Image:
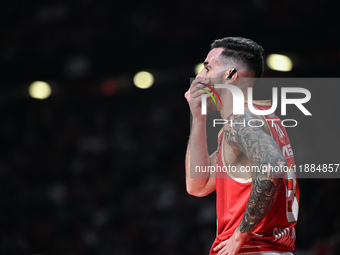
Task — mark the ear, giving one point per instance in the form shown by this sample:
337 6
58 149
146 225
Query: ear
231 75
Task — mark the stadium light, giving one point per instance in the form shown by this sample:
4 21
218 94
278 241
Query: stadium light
40 90
198 68
279 62
143 80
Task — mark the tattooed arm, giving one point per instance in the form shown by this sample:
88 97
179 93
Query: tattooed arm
262 150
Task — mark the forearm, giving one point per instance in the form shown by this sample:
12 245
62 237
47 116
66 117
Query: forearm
264 193
262 151
197 155
266 183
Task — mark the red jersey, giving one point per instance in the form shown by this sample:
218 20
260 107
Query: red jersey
232 194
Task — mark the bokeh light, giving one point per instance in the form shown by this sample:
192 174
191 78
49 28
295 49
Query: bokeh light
279 62
40 90
198 68
143 80
109 87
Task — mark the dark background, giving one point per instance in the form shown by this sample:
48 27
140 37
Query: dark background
101 171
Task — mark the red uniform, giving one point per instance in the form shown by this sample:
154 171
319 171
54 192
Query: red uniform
232 195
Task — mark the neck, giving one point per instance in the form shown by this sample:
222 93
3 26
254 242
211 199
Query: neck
227 107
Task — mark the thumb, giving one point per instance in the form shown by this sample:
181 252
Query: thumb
187 95
255 235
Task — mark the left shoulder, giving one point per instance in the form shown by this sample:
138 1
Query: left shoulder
241 125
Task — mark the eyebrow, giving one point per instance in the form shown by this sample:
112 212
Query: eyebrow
206 64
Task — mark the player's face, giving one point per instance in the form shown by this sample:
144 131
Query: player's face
212 66
213 70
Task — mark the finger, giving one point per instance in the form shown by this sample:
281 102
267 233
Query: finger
223 251
199 86
255 235
200 91
201 81
206 88
204 83
220 245
198 94
187 95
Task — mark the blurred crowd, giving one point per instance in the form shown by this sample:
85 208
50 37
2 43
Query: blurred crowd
105 175
87 174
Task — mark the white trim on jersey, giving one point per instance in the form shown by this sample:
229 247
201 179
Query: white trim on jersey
238 179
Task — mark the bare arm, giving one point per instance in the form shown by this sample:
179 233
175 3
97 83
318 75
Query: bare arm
198 184
262 150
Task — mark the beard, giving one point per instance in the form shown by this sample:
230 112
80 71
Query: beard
211 106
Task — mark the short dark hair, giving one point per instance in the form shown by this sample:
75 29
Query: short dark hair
243 50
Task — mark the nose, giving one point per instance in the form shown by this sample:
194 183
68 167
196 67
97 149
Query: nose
200 75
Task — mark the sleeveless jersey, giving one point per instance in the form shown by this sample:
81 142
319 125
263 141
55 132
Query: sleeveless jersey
232 194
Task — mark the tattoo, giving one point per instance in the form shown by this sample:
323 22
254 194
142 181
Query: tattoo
262 197
262 151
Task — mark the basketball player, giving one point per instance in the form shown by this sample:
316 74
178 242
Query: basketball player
256 210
